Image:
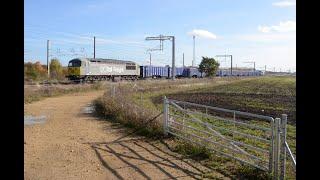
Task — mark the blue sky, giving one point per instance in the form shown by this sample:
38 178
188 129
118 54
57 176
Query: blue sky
262 31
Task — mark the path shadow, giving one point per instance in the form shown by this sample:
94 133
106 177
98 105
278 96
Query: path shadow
137 154
131 156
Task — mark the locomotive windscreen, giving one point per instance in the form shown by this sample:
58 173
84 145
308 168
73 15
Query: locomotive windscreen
130 66
74 63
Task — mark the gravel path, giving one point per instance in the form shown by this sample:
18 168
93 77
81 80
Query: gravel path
72 144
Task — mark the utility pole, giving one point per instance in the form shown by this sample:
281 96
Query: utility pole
173 59
183 59
162 38
48 63
265 68
94 47
194 50
150 58
231 64
226 55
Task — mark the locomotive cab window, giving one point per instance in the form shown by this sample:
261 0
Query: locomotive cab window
74 64
130 66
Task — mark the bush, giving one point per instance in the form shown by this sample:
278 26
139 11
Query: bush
37 72
34 71
56 70
122 109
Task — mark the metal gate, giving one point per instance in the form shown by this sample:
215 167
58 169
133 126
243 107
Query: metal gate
255 140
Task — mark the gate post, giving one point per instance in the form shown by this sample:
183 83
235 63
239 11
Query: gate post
276 148
165 115
283 154
271 151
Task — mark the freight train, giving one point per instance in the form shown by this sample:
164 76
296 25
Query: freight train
89 69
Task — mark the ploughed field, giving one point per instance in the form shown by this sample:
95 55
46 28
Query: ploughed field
270 96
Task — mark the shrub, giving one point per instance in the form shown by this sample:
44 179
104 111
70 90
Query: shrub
121 108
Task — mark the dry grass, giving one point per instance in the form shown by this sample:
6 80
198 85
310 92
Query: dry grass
121 108
38 92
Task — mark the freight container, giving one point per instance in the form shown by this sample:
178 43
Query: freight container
194 72
180 71
153 71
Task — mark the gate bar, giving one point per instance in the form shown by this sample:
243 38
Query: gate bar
224 119
227 147
283 154
291 155
227 139
222 153
226 110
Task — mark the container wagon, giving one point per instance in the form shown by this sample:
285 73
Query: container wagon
194 73
180 72
154 71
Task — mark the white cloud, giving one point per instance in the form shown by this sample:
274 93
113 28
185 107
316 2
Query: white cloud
202 33
284 3
287 26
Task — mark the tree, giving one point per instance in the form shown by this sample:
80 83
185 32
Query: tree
40 69
55 69
30 71
34 71
209 66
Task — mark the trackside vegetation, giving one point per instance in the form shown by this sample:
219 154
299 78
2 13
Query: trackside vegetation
38 92
35 72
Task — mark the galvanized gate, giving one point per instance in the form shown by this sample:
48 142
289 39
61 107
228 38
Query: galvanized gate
255 140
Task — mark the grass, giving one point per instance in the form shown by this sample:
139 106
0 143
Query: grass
120 108
134 103
37 93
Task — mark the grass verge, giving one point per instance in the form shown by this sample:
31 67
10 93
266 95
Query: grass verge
36 93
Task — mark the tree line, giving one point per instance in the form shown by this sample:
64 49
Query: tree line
37 71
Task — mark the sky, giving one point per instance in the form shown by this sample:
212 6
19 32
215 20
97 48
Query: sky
261 31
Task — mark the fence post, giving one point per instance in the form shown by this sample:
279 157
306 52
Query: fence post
271 152
283 154
183 124
165 115
276 148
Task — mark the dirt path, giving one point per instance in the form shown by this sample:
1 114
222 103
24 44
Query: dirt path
74 145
